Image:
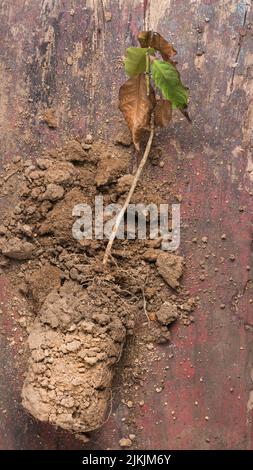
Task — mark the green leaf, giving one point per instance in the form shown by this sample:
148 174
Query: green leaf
135 61
167 79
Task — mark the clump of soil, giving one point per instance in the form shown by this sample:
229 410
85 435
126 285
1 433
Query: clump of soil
75 340
82 311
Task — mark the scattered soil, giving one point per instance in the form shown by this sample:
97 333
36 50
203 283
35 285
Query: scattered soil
80 315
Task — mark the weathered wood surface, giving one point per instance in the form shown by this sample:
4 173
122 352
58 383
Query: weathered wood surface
213 170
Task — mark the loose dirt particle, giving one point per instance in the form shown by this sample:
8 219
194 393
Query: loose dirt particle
49 118
125 442
108 16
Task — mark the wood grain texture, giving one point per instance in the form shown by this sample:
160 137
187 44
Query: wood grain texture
212 167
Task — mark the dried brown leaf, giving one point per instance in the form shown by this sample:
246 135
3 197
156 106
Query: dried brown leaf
136 106
155 40
144 38
163 113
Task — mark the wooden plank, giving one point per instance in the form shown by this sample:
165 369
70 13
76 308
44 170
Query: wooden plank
211 164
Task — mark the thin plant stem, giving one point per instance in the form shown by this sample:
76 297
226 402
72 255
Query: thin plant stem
131 191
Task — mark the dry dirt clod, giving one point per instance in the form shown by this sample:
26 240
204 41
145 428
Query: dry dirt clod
16 248
41 281
88 139
73 151
49 118
167 314
108 16
60 173
60 220
124 183
80 362
69 60
124 138
188 306
125 442
130 404
53 192
3 230
170 267
151 255
111 167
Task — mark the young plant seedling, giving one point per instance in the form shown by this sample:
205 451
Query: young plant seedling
148 66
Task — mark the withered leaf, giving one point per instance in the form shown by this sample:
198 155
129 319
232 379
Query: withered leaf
163 113
136 106
144 38
155 40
